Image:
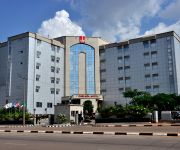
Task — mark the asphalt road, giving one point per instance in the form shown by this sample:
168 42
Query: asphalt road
9 141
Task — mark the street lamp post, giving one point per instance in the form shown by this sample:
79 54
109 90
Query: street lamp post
24 117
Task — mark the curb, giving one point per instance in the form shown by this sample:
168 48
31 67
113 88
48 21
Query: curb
95 132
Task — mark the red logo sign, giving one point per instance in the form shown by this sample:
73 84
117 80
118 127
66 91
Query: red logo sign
82 39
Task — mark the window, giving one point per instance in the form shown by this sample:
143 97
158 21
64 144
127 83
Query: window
103 92
52 79
58 49
155 77
156 88
52 69
126 59
52 47
52 90
57 70
120 70
37 77
120 60
38 42
146 44
121 81
154 54
146 55
37 88
57 91
147 66
148 89
49 105
52 58
127 69
38 53
147 77
120 49
121 90
57 80
153 42
38 65
127 81
126 47
57 59
38 104
155 66
72 113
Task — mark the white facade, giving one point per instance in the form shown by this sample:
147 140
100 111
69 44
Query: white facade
35 72
148 63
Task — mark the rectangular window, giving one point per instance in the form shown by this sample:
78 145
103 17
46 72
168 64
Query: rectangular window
49 105
52 58
127 81
147 77
57 91
121 90
146 55
155 66
57 80
155 77
57 59
52 90
37 77
58 49
38 65
126 47
153 42
121 81
37 88
57 70
103 91
38 42
52 47
148 89
127 69
120 70
39 104
156 88
147 66
154 55
38 53
52 79
120 59
120 49
52 69
146 44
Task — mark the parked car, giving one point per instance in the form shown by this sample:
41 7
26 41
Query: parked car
175 114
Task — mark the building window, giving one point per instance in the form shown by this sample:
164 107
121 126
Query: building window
38 53
153 42
155 77
146 55
120 70
52 58
57 70
147 66
127 69
57 59
52 79
39 104
52 90
37 77
120 49
126 47
37 88
120 59
49 105
147 77
103 91
57 91
38 65
154 55
52 69
121 81
148 89
146 44
127 81
57 80
53 48
58 49
156 88
72 113
38 42
121 90
154 66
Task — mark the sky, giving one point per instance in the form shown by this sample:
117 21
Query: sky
113 20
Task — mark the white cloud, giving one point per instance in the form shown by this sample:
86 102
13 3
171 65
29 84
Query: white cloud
171 11
60 25
114 19
161 27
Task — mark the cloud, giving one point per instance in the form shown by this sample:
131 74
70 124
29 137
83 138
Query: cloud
60 25
116 20
161 27
171 11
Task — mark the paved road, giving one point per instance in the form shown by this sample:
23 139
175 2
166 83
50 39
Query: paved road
85 142
171 129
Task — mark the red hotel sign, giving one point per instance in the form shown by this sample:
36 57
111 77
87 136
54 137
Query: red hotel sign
82 39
